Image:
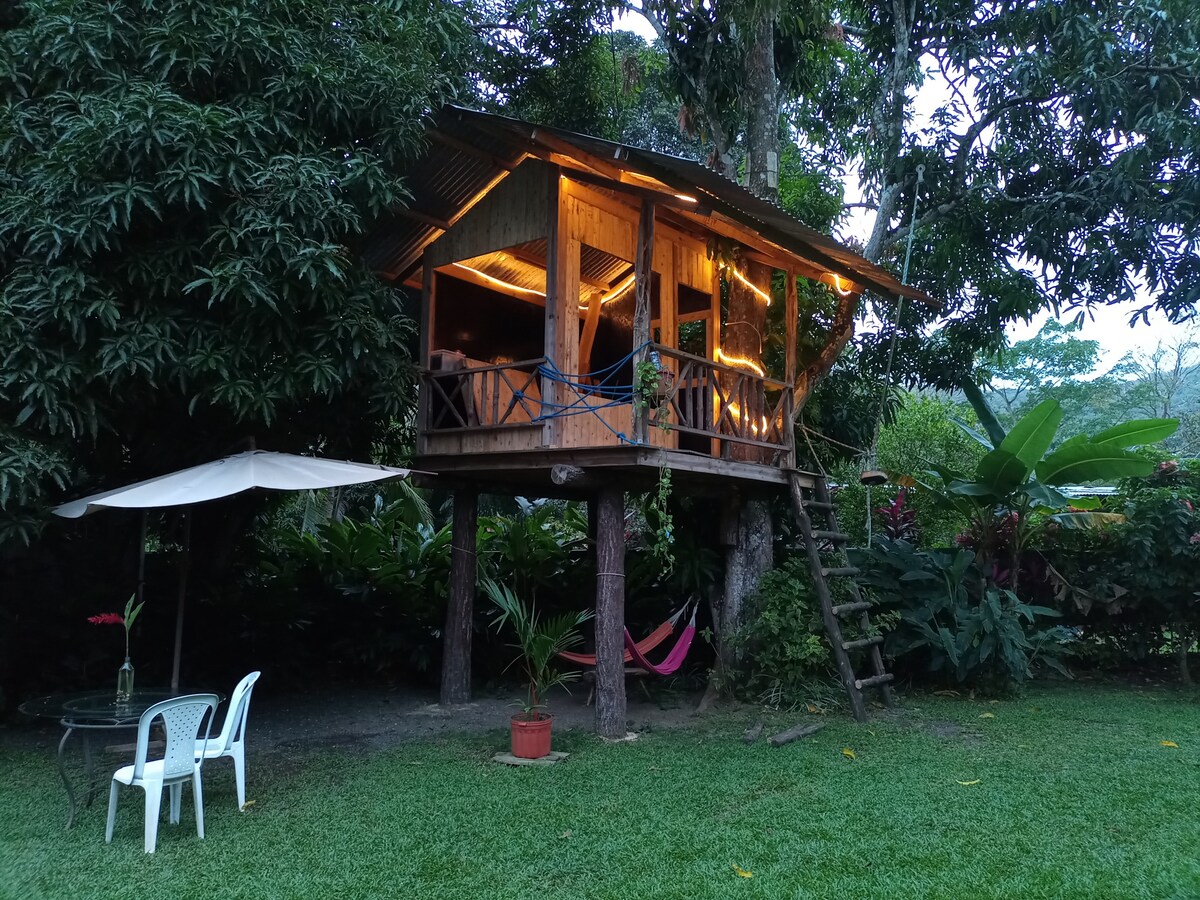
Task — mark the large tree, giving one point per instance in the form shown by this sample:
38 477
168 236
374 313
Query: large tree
1061 171
183 186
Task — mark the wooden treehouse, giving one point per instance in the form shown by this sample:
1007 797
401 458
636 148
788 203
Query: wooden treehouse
573 340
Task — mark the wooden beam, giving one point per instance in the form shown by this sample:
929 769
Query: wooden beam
424 347
794 733
643 284
588 338
668 297
791 318
664 197
610 613
456 653
454 143
424 218
556 144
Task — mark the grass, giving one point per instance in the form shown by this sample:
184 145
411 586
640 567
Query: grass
1075 797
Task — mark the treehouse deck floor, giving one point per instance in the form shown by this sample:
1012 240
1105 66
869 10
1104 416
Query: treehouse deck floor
630 468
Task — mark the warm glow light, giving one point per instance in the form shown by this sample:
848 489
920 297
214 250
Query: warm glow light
837 285
741 362
619 290
499 281
750 284
616 293
755 428
686 198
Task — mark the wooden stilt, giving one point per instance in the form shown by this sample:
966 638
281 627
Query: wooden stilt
456 653
610 613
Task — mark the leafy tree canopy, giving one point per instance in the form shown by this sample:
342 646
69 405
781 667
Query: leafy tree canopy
182 186
1061 172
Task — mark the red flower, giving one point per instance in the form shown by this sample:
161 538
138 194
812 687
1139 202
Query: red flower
107 619
1195 538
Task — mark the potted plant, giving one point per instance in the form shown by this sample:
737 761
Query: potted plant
539 642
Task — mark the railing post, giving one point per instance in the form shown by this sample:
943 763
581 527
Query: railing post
643 268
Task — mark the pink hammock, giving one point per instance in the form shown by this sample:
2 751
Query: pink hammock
674 659
646 644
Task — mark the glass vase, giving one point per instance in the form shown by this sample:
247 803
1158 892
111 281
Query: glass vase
125 682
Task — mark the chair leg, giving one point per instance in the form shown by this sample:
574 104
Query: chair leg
112 811
198 800
239 772
153 807
176 801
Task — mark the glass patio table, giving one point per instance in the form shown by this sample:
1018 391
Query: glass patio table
90 713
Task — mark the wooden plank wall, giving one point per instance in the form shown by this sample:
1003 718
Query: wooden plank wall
513 213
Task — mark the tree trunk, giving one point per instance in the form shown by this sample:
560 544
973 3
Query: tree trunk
745 326
610 613
456 652
746 562
762 121
1185 644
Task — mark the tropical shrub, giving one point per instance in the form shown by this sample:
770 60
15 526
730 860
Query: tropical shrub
922 432
1133 587
782 650
1018 480
953 620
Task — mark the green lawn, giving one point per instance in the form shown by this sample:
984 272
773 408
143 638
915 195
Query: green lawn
1071 794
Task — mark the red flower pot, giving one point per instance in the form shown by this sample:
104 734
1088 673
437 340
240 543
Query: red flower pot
531 735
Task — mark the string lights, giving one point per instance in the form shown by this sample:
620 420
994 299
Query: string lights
741 362
500 281
750 284
836 283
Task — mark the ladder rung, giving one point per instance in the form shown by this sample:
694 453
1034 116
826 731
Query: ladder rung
837 536
817 504
862 642
873 681
857 606
840 571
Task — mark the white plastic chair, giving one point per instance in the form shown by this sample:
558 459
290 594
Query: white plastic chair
182 718
231 741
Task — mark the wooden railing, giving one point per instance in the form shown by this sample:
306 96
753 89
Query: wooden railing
747 417
471 395
729 404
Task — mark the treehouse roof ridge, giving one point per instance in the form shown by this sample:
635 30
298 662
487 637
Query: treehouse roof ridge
471 152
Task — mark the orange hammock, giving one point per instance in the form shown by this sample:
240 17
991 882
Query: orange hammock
645 645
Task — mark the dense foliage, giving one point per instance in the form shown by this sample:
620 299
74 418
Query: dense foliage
1132 587
784 656
953 619
923 432
182 189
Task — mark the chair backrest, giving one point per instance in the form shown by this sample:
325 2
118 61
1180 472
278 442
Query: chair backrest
182 718
239 708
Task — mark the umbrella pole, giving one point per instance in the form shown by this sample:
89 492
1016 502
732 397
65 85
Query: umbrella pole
183 580
141 588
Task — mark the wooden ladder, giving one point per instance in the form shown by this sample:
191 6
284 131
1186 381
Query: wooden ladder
832 563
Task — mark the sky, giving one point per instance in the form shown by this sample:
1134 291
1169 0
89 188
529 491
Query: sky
1107 325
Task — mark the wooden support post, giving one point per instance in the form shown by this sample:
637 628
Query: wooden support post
792 315
562 302
425 343
456 652
610 613
556 249
643 267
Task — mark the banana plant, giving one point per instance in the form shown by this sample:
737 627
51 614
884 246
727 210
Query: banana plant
1021 475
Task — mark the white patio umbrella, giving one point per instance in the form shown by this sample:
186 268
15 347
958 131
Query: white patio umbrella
223 478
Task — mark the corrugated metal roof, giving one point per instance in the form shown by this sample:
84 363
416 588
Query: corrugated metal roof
476 148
